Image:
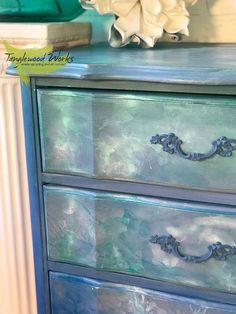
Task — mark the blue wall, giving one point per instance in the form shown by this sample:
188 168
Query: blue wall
100 24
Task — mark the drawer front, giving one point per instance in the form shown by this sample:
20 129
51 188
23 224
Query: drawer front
77 295
107 135
113 231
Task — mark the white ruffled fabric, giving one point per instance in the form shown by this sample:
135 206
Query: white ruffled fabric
143 21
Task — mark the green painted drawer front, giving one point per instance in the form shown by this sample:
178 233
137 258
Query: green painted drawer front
112 232
107 135
78 295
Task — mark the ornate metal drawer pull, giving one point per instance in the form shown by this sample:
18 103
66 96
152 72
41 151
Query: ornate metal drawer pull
217 250
172 145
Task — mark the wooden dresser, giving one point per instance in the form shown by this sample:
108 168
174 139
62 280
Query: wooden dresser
134 199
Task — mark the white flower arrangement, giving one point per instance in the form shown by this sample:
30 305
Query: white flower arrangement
143 21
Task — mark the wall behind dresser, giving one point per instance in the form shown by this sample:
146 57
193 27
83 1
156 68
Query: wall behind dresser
211 21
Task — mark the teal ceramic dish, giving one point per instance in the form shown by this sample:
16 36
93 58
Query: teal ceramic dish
39 10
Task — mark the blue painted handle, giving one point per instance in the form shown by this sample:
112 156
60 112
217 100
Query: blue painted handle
171 144
216 251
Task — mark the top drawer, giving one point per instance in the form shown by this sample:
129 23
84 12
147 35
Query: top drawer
107 135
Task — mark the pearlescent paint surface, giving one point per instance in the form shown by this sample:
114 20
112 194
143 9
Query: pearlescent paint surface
107 135
77 295
112 231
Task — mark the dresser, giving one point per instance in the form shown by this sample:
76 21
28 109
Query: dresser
131 160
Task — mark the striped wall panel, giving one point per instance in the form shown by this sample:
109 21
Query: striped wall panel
17 287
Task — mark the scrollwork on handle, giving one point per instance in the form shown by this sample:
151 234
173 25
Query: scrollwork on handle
171 144
216 251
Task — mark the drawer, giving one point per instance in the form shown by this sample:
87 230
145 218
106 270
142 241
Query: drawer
77 295
107 135
116 232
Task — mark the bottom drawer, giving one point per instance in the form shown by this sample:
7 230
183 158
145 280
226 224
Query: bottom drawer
77 295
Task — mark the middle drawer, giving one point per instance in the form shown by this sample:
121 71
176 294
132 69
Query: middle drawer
113 231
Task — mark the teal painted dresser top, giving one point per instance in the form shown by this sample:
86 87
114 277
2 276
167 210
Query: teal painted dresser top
192 64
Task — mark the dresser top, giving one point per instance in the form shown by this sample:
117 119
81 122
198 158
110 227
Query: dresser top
195 64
